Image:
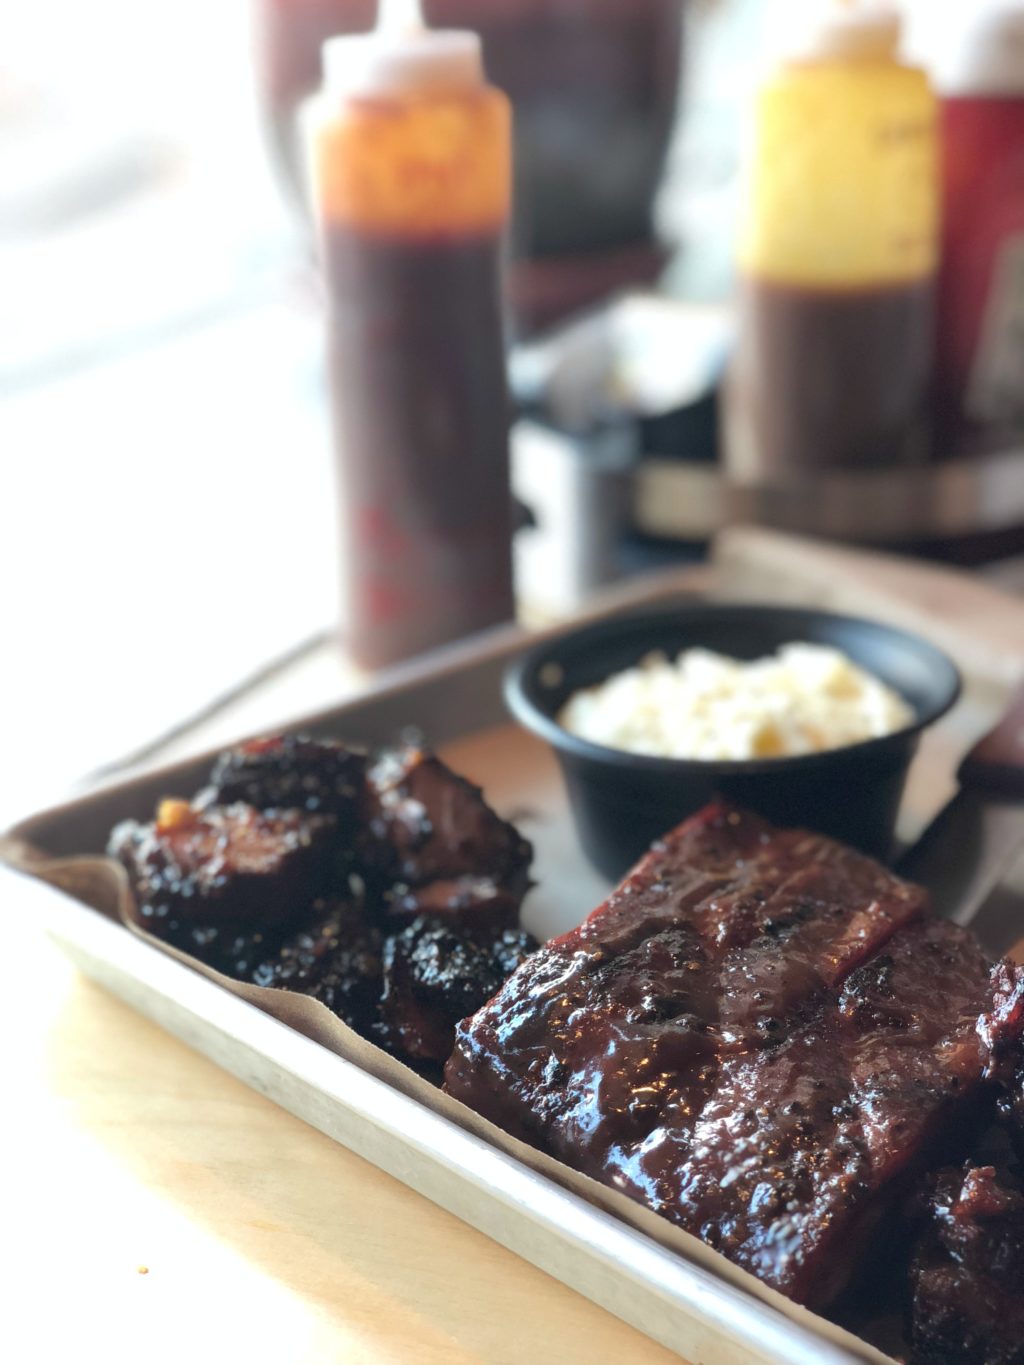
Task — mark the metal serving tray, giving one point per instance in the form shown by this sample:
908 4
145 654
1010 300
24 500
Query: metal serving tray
697 1303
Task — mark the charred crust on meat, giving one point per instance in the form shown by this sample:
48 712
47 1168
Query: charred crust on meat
221 865
967 1270
385 888
436 974
290 772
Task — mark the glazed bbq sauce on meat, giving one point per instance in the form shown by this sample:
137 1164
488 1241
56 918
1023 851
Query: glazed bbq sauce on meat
433 846
703 1006
220 880
802 1147
422 838
228 865
292 772
967 1272
617 1028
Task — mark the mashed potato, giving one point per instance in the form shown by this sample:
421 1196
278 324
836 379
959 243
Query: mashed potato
801 700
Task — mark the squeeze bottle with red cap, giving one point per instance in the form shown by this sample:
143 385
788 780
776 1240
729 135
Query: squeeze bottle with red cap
980 388
410 166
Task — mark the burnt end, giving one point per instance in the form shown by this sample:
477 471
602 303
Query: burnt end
470 903
291 772
435 975
292 866
979 1219
235 954
967 1271
222 866
423 824
336 960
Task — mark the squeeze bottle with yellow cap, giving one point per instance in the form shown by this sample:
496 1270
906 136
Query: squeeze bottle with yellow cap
410 167
837 257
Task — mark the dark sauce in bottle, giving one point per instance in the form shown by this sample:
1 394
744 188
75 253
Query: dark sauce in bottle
420 413
837 255
412 192
829 378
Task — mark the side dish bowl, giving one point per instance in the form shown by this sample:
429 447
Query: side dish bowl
623 801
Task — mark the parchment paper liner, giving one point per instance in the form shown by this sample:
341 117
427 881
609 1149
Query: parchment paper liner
102 884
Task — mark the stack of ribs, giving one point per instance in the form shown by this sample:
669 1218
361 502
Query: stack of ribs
761 1035
383 886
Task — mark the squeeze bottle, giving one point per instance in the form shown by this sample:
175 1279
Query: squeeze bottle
410 171
837 257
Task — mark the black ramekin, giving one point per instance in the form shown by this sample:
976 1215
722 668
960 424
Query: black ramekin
622 801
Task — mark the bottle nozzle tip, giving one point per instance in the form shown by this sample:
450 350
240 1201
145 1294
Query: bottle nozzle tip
399 16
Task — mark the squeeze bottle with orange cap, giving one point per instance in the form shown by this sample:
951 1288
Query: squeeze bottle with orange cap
410 167
837 256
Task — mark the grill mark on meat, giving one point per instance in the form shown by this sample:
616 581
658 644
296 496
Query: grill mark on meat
794 1146
784 913
726 1041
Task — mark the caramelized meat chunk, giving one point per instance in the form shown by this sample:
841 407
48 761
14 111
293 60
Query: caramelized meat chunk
290 868
755 1036
291 772
220 866
967 1273
435 974
437 847
336 960
237 953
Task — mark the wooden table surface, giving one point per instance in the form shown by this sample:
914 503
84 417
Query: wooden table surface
157 1209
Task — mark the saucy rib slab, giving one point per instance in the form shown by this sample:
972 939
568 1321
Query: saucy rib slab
759 1035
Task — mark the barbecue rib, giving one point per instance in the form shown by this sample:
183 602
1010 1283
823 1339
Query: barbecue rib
757 1035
